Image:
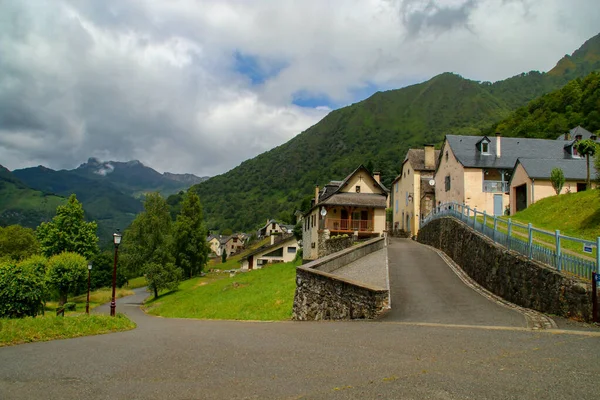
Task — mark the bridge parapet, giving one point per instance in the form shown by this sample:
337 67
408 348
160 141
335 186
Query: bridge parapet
321 295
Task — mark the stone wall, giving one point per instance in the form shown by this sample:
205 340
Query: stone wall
322 295
334 244
508 274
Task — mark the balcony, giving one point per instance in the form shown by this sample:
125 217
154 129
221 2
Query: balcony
495 187
347 225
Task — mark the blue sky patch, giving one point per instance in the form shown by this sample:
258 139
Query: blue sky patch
257 69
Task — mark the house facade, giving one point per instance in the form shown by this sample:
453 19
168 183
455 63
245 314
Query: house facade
354 206
214 243
413 191
270 228
531 180
282 249
478 171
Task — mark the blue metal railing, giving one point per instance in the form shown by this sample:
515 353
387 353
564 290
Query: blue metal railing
548 248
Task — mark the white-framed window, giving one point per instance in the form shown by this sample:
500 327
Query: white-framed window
396 205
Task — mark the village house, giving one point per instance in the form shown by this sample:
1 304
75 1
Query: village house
214 243
283 248
578 133
354 206
478 171
270 228
530 181
413 191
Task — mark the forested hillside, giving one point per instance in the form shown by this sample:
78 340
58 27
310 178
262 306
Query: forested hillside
378 130
24 206
577 103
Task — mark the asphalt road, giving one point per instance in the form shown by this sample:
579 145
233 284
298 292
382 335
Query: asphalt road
408 358
424 289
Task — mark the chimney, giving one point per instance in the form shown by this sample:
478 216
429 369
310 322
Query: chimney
567 136
429 156
498 148
316 194
377 176
272 239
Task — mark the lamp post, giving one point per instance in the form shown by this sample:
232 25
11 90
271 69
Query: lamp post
87 304
117 242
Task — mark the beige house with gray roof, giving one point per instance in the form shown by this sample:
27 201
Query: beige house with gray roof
413 194
354 206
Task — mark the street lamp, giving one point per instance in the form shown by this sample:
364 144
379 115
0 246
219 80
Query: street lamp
117 242
87 304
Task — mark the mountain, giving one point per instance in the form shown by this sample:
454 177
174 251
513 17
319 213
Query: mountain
134 178
575 104
22 205
377 131
110 191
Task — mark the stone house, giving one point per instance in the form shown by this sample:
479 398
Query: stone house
270 228
413 191
283 248
214 243
354 206
476 170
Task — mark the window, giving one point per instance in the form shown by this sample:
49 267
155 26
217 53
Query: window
396 205
291 249
312 245
397 187
485 147
357 188
447 183
273 225
446 155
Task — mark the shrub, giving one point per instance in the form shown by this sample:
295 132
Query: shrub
22 290
557 177
66 271
70 306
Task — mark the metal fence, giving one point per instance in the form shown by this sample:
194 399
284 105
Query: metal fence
565 253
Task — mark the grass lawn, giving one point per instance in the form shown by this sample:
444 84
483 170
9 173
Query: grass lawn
97 297
574 214
233 262
138 282
50 327
266 294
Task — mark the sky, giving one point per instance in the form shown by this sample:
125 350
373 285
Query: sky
194 86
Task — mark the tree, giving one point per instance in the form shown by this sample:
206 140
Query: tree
22 290
189 235
162 276
68 231
148 244
224 256
66 272
587 148
557 177
102 270
17 242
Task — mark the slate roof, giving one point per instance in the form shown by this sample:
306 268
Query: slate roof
573 169
466 152
585 134
356 199
417 159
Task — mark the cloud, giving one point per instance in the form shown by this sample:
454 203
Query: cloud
200 86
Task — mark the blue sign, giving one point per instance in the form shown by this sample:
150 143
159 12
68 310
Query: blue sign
587 248
597 278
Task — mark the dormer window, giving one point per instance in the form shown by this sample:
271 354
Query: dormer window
485 147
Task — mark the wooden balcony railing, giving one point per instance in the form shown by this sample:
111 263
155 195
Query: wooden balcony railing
360 225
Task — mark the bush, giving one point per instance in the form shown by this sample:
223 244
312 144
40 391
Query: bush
22 290
70 306
102 270
66 271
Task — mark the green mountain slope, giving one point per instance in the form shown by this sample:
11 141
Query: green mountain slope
24 206
555 113
380 130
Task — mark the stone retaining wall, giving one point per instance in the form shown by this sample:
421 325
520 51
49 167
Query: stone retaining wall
322 295
508 274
